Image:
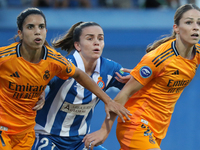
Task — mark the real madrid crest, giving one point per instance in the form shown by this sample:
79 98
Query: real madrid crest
100 83
46 75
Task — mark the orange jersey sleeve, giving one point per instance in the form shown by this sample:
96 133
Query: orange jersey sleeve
164 74
60 65
23 82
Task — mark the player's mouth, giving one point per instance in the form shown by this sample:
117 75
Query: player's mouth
96 50
195 35
38 40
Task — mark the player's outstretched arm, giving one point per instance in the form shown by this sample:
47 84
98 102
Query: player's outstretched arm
110 105
98 137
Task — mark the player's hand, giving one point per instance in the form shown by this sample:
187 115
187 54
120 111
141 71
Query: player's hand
118 109
123 79
94 139
40 103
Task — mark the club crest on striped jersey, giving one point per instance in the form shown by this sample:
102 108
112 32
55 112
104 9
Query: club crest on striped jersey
145 72
100 83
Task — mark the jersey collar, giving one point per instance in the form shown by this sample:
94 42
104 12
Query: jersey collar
175 50
80 63
19 54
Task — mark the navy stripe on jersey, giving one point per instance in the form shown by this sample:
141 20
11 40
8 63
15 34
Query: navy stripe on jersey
59 58
197 46
165 55
159 59
197 49
58 55
164 60
52 53
8 52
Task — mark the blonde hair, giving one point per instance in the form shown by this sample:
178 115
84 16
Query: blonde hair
178 15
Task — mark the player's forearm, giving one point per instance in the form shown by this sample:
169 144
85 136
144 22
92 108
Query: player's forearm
108 123
122 97
131 87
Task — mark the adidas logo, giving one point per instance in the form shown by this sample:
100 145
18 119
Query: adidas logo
15 74
176 72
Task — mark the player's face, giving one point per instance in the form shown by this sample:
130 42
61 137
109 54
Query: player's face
34 32
91 43
189 27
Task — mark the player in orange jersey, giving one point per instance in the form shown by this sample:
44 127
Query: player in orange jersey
26 67
156 84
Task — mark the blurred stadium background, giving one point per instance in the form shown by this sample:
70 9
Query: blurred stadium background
127 34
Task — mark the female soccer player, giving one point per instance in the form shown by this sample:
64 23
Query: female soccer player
26 68
66 116
155 86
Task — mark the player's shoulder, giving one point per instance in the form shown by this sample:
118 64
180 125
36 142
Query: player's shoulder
162 53
8 50
71 59
167 47
197 48
52 51
108 62
109 66
55 56
9 47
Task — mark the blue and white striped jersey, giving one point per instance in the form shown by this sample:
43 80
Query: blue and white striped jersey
69 106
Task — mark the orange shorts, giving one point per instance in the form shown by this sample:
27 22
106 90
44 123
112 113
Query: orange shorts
16 142
136 137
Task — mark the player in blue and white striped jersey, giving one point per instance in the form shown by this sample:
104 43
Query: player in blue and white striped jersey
66 116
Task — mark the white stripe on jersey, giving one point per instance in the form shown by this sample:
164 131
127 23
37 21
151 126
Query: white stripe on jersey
57 103
66 124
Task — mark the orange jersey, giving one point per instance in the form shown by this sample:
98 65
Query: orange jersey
22 82
164 74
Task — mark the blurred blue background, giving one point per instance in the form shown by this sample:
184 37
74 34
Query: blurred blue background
127 34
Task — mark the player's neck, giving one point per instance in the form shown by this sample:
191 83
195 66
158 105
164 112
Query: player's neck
33 56
185 51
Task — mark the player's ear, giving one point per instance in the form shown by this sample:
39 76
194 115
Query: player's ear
176 28
20 34
77 46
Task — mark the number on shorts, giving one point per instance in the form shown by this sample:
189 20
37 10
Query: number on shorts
45 142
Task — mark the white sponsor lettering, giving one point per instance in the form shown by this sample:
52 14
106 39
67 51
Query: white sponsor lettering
144 121
78 109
